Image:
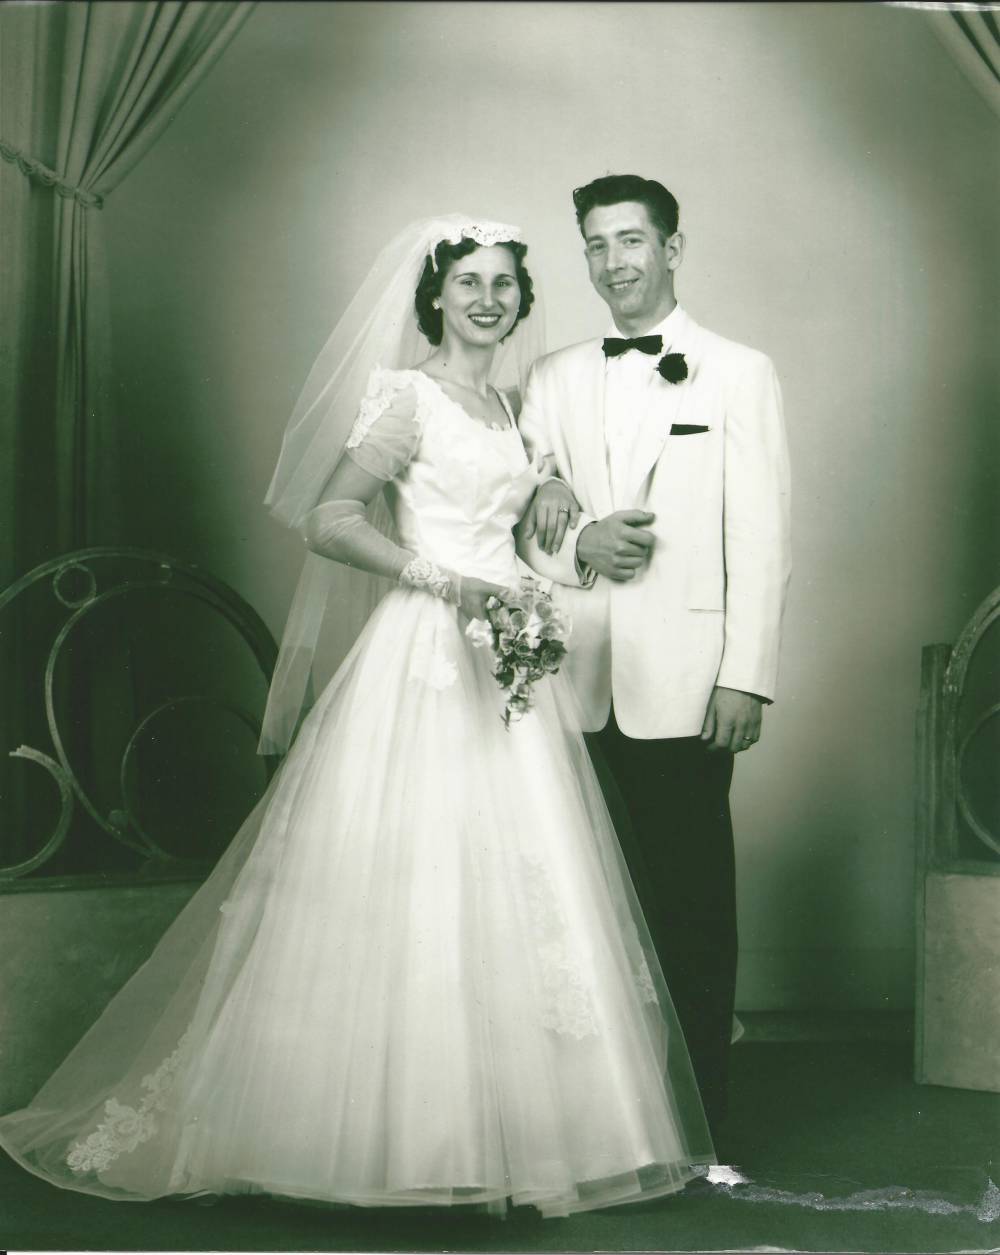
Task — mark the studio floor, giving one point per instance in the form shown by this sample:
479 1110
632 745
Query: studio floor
839 1149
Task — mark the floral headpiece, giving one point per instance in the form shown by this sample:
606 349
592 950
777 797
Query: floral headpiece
486 234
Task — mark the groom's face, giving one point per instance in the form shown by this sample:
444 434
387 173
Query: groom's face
630 266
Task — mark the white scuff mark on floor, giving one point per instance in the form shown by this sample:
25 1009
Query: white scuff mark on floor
725 1174
892 1198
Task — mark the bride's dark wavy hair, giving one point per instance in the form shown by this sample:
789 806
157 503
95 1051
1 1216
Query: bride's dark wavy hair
430 320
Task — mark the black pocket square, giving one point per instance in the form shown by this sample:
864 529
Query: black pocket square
686 429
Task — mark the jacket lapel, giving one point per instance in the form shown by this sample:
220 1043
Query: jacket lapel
664 408
590 421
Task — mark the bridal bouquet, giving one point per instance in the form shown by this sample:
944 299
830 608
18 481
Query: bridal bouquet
527 635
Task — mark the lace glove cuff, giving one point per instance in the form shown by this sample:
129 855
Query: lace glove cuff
438 581
340 530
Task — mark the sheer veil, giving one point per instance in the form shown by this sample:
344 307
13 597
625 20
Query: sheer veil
378 328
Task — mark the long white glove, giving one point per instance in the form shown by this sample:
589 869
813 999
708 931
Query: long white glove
340 530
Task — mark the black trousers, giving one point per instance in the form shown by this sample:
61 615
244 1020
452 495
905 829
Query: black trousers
670 803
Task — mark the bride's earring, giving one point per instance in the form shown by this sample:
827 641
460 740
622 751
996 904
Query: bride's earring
435 304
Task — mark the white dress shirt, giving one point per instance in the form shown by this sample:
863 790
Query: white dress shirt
627 381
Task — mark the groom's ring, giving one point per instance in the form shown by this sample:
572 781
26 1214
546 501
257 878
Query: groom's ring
747 740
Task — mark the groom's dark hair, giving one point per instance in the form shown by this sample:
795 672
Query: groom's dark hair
612 189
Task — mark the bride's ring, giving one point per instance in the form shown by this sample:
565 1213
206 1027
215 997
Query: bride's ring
563 509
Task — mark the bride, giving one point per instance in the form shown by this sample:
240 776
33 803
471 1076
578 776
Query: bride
419 974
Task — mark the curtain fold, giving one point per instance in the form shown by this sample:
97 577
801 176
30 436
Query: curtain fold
130 68
86 88
973 38
98 82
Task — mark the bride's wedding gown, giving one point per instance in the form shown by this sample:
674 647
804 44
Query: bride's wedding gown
419 974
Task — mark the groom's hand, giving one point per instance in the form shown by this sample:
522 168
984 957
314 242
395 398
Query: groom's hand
732 721
617 546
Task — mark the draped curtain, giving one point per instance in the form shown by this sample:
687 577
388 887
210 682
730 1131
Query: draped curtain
85 90
972 36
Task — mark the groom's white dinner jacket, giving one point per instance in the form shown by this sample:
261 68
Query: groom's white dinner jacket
708 457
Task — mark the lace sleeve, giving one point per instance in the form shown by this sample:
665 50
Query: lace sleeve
387 430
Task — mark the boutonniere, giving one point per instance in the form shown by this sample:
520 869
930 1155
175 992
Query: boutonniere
672 367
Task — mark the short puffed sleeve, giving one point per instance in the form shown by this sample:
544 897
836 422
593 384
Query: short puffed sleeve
387 430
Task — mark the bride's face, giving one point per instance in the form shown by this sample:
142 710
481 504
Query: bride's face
480 297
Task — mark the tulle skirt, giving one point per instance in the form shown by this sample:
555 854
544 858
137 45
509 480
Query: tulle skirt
418 975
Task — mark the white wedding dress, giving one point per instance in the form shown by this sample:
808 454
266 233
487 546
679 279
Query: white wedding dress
419 974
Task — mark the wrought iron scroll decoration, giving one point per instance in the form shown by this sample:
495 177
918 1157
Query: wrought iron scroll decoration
122 823
955 751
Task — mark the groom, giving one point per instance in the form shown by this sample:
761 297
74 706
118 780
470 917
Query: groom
674 569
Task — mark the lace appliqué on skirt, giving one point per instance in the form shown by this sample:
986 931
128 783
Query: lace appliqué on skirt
430 661
568 1006
124 1128
644 981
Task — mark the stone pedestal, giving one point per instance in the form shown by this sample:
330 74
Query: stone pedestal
960 1001
957 1003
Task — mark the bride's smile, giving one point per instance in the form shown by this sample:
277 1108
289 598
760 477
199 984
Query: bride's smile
480 297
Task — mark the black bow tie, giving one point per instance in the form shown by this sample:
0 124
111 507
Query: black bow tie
613 347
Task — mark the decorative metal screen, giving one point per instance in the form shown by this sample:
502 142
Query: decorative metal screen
131 686
958 814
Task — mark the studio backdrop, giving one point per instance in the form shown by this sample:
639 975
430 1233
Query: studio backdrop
837 174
